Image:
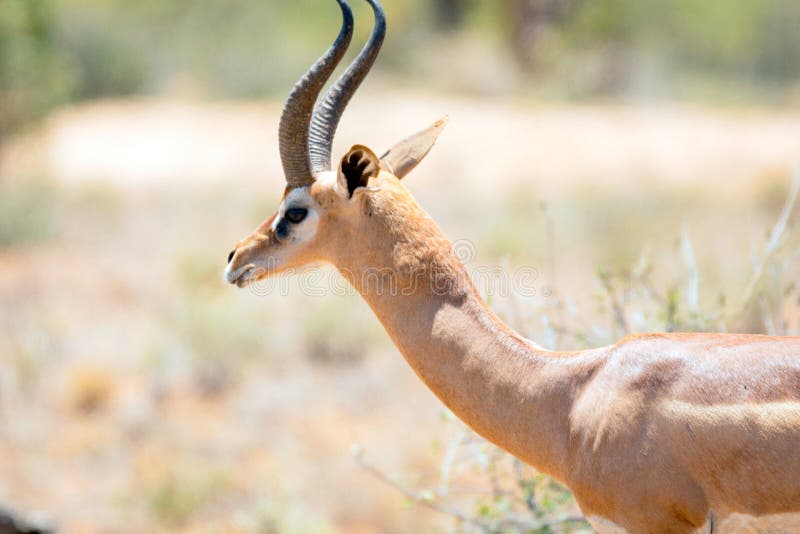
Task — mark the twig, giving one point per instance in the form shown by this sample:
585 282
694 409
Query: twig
415 495
773 241
492 526
769 324
447 463
693 282
551 253
616 306
529 496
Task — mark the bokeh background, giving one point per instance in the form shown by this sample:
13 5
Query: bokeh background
637 154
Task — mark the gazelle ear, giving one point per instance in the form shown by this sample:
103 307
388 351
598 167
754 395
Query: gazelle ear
405 155
357 167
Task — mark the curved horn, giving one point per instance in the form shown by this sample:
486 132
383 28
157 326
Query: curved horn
296 116
330 109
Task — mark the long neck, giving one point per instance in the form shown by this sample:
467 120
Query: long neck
505 388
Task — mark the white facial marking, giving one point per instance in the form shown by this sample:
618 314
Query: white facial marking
329 179
304 230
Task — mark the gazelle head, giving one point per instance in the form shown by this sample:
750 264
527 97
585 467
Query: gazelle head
322 209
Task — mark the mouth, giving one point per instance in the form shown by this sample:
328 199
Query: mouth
241 276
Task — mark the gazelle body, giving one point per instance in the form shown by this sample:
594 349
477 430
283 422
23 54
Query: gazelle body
659 433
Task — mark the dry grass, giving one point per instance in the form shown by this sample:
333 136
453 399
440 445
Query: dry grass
216 410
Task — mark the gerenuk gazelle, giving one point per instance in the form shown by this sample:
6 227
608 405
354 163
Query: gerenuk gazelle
658 433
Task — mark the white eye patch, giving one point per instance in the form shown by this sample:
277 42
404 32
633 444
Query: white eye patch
304 230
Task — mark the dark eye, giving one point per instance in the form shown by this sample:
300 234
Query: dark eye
295 215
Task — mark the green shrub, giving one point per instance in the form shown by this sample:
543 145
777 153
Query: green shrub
28 213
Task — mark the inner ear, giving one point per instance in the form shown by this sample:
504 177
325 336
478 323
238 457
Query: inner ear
357 167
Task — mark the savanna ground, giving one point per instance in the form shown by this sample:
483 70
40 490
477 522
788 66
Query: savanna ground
140 393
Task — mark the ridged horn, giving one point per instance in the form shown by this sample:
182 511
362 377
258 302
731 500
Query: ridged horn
296 116
330 109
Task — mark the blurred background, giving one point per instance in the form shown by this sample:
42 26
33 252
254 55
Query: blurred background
637 154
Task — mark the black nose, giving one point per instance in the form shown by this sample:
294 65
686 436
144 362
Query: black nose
230 256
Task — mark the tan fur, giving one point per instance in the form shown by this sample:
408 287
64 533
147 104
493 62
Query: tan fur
659 433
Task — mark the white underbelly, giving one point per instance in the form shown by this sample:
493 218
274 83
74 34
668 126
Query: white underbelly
766 524
601 525
732 524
